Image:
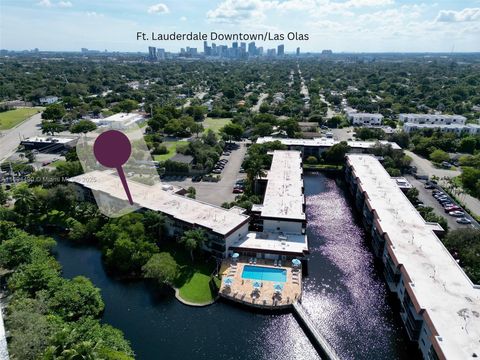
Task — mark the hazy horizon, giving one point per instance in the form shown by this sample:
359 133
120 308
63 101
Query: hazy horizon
343 26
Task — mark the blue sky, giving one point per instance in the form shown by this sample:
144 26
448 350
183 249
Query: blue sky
341 25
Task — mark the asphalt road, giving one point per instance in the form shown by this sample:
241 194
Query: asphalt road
220 192
10 139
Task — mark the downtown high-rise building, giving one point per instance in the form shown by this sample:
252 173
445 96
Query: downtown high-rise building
281 50
152 53
252 49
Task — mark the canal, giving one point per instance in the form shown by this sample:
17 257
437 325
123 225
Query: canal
344 295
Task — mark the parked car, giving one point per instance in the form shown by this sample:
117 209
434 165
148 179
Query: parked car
452 208
196 178
464 221
456 213
429 186
242 170
446 165
237 190
216 171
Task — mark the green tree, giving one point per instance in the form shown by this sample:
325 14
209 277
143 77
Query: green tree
290 126
466 243
439 156
30 328
54 112
191 192
311 160
24 199
3 196
51 127
162 267
128 105
76 298
83 126
412 195
36 276
232 131
196 128
193 240
336 154
468 145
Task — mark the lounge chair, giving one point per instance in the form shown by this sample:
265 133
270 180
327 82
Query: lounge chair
255 261
279 263
250 261
275 262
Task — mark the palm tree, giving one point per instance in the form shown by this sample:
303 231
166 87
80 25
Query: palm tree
193 240
24 199
255 171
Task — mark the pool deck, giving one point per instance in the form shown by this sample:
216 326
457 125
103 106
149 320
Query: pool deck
242 290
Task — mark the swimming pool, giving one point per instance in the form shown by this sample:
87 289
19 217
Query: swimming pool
264 273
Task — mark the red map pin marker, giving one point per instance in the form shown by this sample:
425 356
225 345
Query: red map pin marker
113 149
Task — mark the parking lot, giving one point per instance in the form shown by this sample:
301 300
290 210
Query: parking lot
425 196
218 192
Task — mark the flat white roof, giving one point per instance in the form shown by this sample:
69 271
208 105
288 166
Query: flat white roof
49 139
284 195
120 117
443 126
273 241
439 285
325 142
433 116
192 211
357 114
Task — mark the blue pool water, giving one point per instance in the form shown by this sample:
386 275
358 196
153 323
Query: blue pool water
264 273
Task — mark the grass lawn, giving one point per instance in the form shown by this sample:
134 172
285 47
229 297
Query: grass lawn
11 118
215 124
193 282
172 150
57 163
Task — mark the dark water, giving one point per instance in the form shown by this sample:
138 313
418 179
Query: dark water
344 295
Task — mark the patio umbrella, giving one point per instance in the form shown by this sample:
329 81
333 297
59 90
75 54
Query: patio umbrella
256 285
228 281
278 287
235 255
296 262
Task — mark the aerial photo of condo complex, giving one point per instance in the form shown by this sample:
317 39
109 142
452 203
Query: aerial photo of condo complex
239 180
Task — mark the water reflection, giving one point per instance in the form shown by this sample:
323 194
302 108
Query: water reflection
344 293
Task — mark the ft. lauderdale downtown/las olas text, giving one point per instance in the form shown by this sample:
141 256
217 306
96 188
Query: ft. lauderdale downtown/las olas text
214 36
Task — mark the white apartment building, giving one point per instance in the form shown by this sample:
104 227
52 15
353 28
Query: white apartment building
222 227
432 119
365 119
471 129
281 219
439 304
48 100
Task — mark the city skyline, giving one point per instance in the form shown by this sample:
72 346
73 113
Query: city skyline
343 26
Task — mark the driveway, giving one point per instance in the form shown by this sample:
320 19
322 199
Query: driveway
220 192
10 139
425 167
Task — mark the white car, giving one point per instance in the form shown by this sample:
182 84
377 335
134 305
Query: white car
464 221
456 213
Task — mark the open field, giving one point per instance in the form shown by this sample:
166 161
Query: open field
215 124
12 118
172 150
